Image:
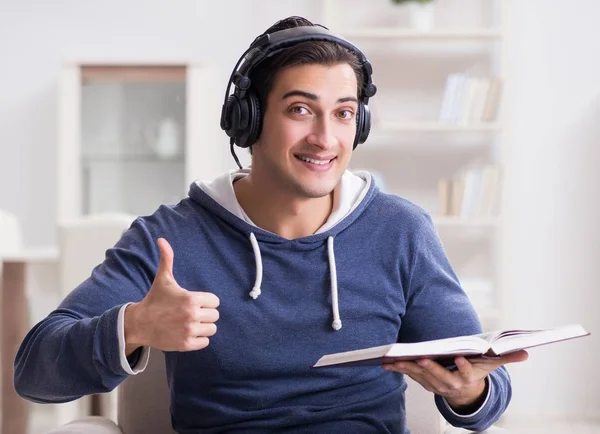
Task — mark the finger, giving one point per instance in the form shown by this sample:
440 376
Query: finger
207 315
424 382
435 369
195 343
425 366
465 368
406 367
207 300
489 364
165 266
516 357
202 330
442 379
413 370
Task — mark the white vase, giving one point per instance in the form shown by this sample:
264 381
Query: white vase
421 16
167 140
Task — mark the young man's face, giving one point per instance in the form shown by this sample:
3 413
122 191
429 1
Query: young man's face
308 128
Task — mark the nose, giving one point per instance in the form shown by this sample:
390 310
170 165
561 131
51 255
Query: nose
323 134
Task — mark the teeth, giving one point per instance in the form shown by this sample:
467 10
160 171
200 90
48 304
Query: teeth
310 160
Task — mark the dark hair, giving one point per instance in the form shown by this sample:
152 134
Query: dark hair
310 52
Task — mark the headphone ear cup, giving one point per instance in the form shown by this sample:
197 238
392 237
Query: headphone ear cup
253 131
234 118
363 124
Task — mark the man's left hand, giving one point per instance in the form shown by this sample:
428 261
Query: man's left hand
463 387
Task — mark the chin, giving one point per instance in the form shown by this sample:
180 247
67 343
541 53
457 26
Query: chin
314 190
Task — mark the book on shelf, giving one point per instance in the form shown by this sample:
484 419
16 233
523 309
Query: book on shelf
470 99
444 351
473 193
444 194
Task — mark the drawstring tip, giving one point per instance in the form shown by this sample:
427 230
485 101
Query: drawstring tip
337 324
255 292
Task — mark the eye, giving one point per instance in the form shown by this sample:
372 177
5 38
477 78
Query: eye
299 110
346 114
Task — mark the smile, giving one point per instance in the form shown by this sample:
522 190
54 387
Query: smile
313 161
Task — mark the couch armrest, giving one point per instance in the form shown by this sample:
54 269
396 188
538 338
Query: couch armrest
88 425
490 430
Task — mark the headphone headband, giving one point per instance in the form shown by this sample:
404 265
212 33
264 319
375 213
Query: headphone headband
270 44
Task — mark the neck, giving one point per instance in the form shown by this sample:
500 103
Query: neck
273 210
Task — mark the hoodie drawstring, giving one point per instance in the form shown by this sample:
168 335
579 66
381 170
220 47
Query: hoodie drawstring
337 322
259 269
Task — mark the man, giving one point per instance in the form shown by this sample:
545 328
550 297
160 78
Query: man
293 258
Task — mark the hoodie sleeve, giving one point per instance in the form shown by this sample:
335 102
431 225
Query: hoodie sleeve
436 308
75 350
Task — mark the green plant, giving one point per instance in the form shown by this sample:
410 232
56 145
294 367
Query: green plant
400 2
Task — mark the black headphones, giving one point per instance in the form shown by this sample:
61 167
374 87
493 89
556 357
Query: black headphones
241 117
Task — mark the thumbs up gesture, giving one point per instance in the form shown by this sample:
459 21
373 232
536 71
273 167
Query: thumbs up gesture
170 318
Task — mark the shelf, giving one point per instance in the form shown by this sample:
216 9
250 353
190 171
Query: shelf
140 158
435 127
411 148
417 136
40 255
402 33
133 73
461 222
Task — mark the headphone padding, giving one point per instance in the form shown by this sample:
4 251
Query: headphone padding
236 116
365 127
363 124
254 120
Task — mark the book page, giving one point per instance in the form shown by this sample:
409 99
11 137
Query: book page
372 353
436 349
490 337
440 347
522 339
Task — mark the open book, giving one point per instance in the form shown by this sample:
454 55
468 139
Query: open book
491 344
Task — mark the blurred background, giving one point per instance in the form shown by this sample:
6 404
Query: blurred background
487 115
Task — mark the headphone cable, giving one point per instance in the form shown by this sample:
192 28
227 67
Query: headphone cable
233 152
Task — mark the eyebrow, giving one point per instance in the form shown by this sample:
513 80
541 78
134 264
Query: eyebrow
314 97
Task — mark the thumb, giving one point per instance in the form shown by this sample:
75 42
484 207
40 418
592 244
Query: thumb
165 266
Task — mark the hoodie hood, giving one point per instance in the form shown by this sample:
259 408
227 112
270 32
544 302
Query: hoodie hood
351 197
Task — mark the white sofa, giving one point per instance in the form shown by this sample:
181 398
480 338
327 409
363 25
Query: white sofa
10 233
82 244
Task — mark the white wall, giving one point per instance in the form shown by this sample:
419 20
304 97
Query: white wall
552 201
37 36
552 237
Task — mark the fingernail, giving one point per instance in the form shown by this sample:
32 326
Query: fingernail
423 363
400 365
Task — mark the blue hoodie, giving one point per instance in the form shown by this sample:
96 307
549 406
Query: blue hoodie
379 275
